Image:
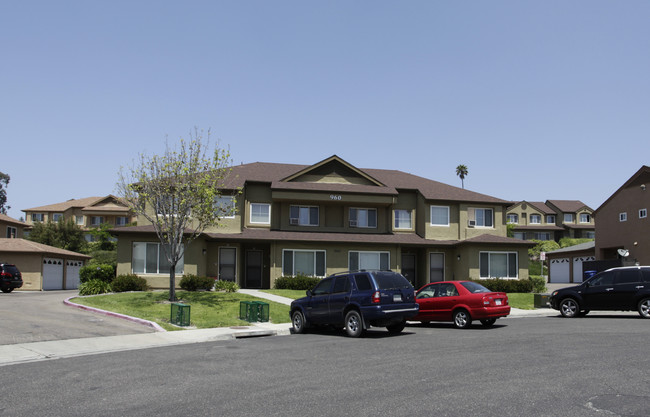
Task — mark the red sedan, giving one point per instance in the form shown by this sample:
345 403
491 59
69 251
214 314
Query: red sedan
460 302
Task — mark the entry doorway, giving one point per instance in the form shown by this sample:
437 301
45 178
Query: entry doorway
436 267
408 267
254 268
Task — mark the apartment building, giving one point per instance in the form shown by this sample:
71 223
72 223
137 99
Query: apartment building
551 220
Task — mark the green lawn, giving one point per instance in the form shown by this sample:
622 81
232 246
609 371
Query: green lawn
295 294
207 309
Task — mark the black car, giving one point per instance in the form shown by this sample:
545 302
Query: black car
625 288
10 277
355 301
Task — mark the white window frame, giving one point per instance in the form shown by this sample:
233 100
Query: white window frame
228 202
260 205
79 220
386 254
399 220
643 213
622 217
474 210
588 217
489 254
512 218
535 219
568 217
356 223
550 219
38 217
446 224
315 252
57 217
302 212
159 255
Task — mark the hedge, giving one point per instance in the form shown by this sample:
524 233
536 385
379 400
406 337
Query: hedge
299 282
192 282
507 285
129 282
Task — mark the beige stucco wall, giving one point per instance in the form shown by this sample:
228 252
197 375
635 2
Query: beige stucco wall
29 265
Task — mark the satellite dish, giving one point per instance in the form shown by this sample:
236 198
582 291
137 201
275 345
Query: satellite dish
623 253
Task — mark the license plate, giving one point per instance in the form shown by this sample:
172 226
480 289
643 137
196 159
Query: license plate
497 302
397 298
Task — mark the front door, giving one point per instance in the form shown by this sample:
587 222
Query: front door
408 267
254 268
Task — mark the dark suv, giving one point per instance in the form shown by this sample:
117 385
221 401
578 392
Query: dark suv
10 277
356 301
625 288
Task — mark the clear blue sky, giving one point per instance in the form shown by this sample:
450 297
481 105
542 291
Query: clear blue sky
540 99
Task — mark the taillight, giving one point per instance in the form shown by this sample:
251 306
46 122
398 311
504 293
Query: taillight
376 298
486 301
5 274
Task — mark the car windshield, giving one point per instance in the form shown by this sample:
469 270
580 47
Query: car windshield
391 281
474 287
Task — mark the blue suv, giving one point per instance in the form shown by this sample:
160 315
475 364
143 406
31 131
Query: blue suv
356 301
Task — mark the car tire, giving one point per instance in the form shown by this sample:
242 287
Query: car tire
353 324
569 308
7 290
644 308
396 328
488 322
462 319
298 322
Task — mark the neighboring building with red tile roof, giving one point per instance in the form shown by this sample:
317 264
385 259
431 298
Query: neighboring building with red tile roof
332 216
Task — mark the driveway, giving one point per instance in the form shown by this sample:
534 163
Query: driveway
34 316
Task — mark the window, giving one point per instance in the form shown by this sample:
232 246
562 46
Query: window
165 205
121 221
37 217
305 262
520 235
150 258
535 219
480 217
57 217
643 213
225 206
543 236
590 234
622 217
323 287
79 220
358 260
568 217
303 215
363 218
513 218
498 264
96 220
261 213
11 232
403 219
439 216
227 264
550 219
585 218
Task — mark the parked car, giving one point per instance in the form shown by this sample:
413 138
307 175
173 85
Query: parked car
10 277
460 302
356 301
624 288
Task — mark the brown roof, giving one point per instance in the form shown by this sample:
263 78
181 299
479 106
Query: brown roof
493 239
80 202
11 220
568 206
27 246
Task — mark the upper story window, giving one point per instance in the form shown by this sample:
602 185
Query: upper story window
439 216
480 217
543 236
585 218
520 235
261 213
363 217
79 220
535 219
643 213
37 217
121 221
403 219
550 219
568 217
622 217
96 220
512 218
303 215
225 206
12 232
57 217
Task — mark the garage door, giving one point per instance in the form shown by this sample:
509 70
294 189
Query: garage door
560 270
52 274
577 267
72 274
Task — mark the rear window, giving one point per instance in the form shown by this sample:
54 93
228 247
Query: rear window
474 288
391 281
11 269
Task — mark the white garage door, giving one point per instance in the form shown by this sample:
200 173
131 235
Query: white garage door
72 274
560 270
577 267
52 274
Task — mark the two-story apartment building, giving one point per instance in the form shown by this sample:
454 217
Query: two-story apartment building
86 212
332 216
623 228
551 220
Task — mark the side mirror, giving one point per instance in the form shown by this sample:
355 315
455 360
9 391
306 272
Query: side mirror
309 293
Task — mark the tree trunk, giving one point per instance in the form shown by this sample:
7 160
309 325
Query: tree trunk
172 283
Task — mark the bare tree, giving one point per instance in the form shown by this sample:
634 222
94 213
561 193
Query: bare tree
177 192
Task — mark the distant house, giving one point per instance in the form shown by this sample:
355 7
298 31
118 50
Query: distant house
551 220
332 216
87 213
43 267
568 264
623 228
11 228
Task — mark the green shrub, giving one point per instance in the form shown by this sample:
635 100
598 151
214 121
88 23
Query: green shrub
535 268
566 242
102 272
539 283
227 286
192 282
299 282
507 285
94 287
129 282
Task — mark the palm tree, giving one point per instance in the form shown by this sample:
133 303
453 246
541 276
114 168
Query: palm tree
461 171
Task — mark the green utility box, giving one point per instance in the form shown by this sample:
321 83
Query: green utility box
180 314
541 300
253 311
262 310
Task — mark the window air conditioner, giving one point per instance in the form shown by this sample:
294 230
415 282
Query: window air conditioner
293 221
472 223
353 223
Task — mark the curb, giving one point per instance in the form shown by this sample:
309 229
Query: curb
152 324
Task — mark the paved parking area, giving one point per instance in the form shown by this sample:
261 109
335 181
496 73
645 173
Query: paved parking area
35 316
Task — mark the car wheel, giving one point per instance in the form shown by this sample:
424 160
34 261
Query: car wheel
488 322
644 308
396 328
353 324
298 321
569 307
7 289
462 319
